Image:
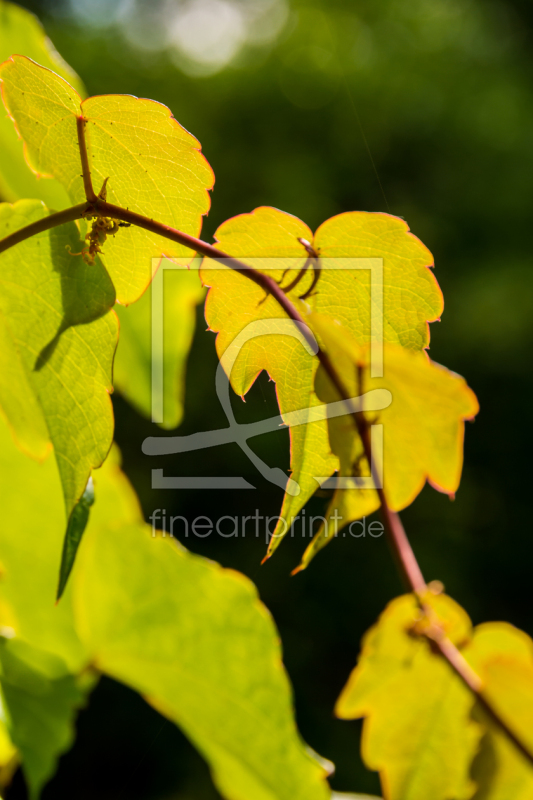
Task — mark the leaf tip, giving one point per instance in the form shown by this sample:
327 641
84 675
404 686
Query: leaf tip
77 523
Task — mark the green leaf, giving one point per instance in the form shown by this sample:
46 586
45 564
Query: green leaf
179 291
9 755
503 656
61 339
75 529
412 298
40 698
192 637
417 731
153 165
423 427
22 33
31 536
18 402
200 647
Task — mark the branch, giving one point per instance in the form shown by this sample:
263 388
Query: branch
397 538
51 221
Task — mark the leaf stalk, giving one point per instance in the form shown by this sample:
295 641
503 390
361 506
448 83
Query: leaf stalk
90 194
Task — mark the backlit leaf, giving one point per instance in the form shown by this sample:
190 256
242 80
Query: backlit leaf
192 637
417 731
424 730
9 756
411 298
199 646
153 165
40 699
503 656
22 33
423 427
31 537
18 402
60 339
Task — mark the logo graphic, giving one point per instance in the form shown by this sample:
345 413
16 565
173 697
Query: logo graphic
374 400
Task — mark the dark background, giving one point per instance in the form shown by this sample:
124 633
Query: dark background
423 109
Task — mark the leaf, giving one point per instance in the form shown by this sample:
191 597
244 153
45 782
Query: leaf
180 291
190 636
41 699
21 32
75 529
60 338
153 166
18 401
423 427
200 647
412 297
422 726
31 536
9 756
503 656
417 731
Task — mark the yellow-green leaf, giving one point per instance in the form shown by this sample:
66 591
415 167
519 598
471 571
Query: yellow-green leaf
9 756
424 730
417 731
18 402
411 298
22 33
503 657
422 433
30 548
153 165
192 637
200 647
60 337
40 698
177 292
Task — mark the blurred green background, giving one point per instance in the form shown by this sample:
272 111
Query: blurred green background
423 109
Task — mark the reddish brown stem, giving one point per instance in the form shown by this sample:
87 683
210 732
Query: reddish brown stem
90 194
45 224
472 681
